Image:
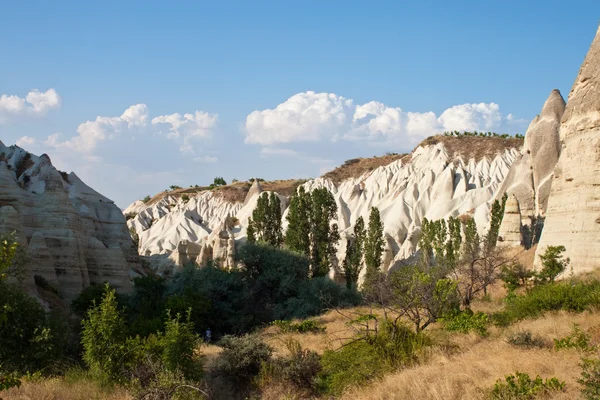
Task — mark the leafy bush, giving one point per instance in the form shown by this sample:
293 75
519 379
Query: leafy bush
242 357
91 296
306 326
178 344
300 369
146 199
515 275
521 386
131 215
553 264
525 339
8 381
590 379
31 339
465 321
578 339
185 198
104 339
566 296
370 356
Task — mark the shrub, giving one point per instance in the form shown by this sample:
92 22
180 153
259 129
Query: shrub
104 337
146 199
465 321
521 386
553 264
525 339
242 357
91 296
178 344
515 275
578 339
574 297
590 379
8 381
130 215
30 339
185 198
300 369
174 187
306 326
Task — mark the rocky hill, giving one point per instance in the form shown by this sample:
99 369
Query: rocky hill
444 176
72 235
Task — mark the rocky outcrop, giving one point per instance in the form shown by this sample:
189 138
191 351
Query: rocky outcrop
73 236
573 215
531 174
510 229
433 182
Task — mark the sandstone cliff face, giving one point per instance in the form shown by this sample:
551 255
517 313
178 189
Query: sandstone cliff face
73 236
573 215
529 180
434 182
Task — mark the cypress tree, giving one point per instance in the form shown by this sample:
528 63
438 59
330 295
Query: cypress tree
354 253
298 231
323 235
250 232
374 243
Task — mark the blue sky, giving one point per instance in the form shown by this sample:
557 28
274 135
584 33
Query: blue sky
275 89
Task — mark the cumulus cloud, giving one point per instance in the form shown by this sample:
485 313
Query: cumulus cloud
35 103
303 117
26 141
187 127
135 121
311 116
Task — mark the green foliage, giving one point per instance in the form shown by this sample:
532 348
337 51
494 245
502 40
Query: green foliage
174 187
574 297
466 321
130 215
521 386
310 231
578 340
8 251
178 344
301 368
265 224
497 213
370 356
515 275
352 264
91 296
297 236
145 305
8 381
590 379
242 357
104 339
482 134
553 264
306 326
146 199
218 181
31 339
185 198
423 294
374 243
526 339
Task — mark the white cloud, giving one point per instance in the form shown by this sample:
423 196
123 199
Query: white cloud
134 121
35 103
289 153
305 116
26 141
187 127
206 159
311 116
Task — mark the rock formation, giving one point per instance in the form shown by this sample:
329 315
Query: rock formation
530 176
439 179
73 236
573 215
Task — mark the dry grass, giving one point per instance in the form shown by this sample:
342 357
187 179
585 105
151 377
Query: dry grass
60 389
482 361
356 167
475 147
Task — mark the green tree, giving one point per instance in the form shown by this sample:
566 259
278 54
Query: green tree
297 236
323 234
103 337
250 231
265 224
373 247
354 253
553 264
8 251
497 213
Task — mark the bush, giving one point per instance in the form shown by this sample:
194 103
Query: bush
185 198
578 339
521 386
146 199
590 379
370 356
566 296
306 326
300 369
553 264
31 339
465 321
242 357
131 215
178 344
104 340
526 339
91 296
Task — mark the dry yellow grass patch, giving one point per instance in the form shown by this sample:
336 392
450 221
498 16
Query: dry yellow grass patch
481 361
59 389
